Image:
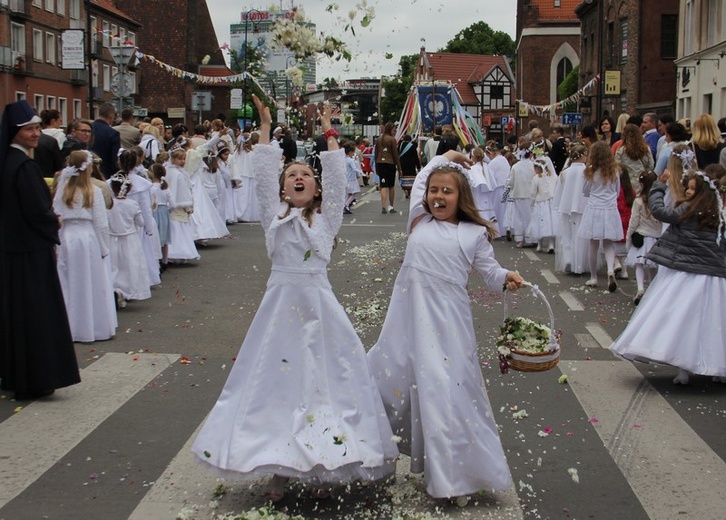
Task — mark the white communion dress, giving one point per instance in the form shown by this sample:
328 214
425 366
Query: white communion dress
425 361
299 401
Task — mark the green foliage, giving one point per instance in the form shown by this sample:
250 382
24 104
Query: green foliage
569 84
255 67
397 89
479 38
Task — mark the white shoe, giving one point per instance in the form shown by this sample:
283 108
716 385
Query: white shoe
681 378
592 282
539 248
638 297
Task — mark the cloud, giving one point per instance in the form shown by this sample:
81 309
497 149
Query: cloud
396 29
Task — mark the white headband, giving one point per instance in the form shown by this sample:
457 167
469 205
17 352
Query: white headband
73 171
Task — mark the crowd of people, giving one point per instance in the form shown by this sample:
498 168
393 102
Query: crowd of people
645 193
128 201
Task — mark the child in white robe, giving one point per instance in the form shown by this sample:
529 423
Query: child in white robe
128 268
543 222
425 361
299 402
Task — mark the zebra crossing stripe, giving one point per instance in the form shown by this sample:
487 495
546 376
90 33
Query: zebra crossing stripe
672 471
59 423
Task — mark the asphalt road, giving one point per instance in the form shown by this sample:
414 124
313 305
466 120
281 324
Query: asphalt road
615 441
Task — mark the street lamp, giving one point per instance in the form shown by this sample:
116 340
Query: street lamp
121 82
288 63
244 79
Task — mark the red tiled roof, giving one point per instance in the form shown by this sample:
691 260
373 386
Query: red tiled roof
109 6
216 71
549 13
460 69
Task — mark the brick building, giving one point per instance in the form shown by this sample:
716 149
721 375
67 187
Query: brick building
484 82
637 41
30 56
548 48
182 44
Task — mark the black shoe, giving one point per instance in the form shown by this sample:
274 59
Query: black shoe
392 211
384 211
346 211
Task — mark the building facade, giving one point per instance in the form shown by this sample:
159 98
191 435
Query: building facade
485 84
254 31
548 49
632 45
701 62
183 44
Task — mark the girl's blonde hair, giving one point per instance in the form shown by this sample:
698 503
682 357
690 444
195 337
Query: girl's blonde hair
705 132
675 167
151 129
81 182
600 158
466 210
311 207
177 153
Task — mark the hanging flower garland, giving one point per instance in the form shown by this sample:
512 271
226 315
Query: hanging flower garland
542 110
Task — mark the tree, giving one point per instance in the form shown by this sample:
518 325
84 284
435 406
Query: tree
569 84
397 89
255 67
479 38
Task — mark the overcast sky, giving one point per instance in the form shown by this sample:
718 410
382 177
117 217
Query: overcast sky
397 29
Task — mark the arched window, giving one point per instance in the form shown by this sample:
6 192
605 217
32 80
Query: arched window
564 67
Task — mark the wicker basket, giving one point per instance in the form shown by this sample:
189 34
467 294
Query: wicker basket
528 361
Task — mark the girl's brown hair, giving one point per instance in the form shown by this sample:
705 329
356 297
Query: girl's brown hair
646 180
157 172
466 210
600 158
81 182
311 207
703 206
634 144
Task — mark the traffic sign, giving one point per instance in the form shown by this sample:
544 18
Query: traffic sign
505 121
572 118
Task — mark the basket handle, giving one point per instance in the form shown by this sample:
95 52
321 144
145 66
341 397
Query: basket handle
535 289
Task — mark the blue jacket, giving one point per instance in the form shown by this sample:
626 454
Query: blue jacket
106 144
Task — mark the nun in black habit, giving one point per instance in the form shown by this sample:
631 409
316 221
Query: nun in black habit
36 349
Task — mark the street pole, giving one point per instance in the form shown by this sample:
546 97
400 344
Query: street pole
288 63
89 57
244 78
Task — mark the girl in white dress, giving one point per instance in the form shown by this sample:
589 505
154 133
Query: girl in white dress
164 204
181 236
130 276
648 228
601 219
353 173
543 222
571 251
496 172
245 194
84 242
131 167
481 189
520 184
425 361
208 219
230 209
679 321
299 402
